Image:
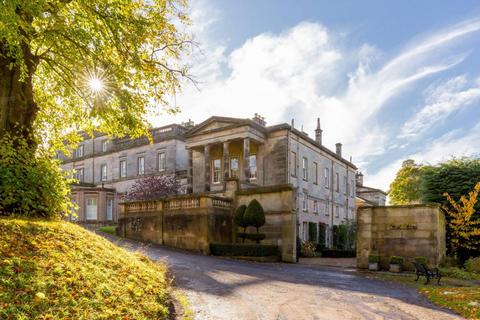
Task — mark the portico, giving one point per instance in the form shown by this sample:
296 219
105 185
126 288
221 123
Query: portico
223 148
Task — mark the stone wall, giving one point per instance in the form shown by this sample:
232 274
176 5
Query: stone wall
184 222
408 231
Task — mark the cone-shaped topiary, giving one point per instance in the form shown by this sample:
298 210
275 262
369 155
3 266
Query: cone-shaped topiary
254 215
240 221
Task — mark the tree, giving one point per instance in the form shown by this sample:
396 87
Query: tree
406 187
464 222
254 215
70 66
153 188
87 64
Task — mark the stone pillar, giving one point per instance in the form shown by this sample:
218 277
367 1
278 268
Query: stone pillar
190 171
226 162
246 158
206 152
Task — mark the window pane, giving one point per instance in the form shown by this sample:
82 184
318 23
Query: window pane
123 169
253 166
162 163
216 170
234 167
141 165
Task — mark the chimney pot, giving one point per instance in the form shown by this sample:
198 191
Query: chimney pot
359 178
338 149
318 132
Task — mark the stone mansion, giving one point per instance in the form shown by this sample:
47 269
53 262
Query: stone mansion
206 156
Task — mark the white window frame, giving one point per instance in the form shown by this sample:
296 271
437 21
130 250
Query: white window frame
337 181
337 212
91 209
162 161
104 145
305 230
327 207
327 177
305 203
80 151
216 171
109 215
123 168
315 206
141 166
80 174
103 172
252 166
305 168
315 170
234 173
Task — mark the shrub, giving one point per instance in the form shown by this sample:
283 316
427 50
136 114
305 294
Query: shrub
344 236
32 182
257 237
473 265
243 249
153 188
336 253
240 221
312 231
397 260
308 249
421 260
373 258
254 215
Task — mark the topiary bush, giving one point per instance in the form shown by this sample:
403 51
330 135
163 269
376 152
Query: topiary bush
32 182
240 221
373 258
257 237
473 265
421 260
254 215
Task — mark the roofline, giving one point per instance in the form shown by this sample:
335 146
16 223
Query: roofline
373 190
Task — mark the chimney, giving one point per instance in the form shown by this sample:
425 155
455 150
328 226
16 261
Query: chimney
318 132
189 124
359 178
293 123
259 119
338 149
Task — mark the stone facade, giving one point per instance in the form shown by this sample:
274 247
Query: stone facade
408 231
367 196
115 164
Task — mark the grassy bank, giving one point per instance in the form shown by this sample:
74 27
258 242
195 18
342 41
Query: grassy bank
459 295
58 270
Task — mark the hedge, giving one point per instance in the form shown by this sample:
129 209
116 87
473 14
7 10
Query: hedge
334 253
243 249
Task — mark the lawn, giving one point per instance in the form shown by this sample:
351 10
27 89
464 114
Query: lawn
108 229
459 295
58 270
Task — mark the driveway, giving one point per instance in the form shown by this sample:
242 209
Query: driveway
221 288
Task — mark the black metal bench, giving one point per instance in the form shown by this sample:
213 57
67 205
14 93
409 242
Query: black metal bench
421 269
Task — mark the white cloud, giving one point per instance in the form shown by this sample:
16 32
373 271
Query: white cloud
303 73
441 101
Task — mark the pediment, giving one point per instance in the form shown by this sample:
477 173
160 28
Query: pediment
217 123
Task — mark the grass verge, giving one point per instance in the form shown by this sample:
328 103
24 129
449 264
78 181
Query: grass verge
108 229
58 270
459 295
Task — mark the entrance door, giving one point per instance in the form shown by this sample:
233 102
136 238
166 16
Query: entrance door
91 209
109 209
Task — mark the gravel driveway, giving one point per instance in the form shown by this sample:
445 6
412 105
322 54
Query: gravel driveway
221 288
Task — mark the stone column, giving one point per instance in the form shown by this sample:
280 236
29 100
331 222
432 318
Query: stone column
206 152
226 161
246 158
190 171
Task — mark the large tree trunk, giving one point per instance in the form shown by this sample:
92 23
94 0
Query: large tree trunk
17 106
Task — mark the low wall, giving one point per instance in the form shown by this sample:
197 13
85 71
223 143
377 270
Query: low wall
190 223
406 231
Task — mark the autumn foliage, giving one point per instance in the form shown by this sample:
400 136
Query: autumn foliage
153 188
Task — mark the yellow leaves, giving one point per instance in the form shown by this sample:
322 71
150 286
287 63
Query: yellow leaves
39 296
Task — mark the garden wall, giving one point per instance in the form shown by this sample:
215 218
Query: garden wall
408 231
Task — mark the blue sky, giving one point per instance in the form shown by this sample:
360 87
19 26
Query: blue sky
390 80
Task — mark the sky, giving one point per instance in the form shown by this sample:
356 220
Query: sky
389 80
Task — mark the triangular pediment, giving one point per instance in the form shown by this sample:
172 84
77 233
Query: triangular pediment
217 123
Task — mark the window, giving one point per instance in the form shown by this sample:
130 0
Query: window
337 212
216 168
233 167
327 178
253 166
294 164
141 165
91 213
103 172
162 161
345 185
305 231
337 182
315 172
123 168
104 145
109 209
305 203
305 168
80 150
327 208
79 174
315 206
